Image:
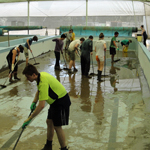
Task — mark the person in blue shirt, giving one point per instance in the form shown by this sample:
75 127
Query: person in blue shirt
27 46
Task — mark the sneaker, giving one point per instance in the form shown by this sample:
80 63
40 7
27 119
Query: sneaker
16 78
75 70
11 80
88 76
46 147
58 68
69 71
65 148
101 80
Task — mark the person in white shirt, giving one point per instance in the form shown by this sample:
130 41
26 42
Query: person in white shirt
73 48
100 47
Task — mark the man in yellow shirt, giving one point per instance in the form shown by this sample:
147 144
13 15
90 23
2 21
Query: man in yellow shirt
50 90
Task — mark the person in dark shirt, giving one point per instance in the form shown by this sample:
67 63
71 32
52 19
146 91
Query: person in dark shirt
27 46
86 51
12 62
58 48
144 35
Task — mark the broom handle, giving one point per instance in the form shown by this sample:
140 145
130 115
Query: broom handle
33 57
21 133
64 60
10 72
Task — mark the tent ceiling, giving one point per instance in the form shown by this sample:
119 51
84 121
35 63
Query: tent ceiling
11 1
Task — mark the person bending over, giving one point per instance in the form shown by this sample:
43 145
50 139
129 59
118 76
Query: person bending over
73 48
27 47
49 90
12 62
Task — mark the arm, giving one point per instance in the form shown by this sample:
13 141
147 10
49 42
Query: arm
104 46
36 97
91 48
62 48
55 40
35 113
142 31
76 47
38 109
28 44
115 43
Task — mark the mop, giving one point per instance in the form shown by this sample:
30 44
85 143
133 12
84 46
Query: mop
4 86
34 60
64 62
92 74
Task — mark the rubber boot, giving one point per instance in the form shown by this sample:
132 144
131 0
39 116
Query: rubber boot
47 147
75 70
10 79
58 68
99 76
69 71
15 76
65 148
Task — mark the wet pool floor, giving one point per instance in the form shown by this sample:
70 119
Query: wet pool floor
110 115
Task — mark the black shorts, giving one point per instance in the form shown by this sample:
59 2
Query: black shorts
59 113
112 51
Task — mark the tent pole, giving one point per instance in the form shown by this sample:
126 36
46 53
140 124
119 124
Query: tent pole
86 12
134 13
146 19
28 14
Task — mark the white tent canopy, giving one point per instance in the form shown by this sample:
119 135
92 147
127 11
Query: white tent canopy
73 8
129 13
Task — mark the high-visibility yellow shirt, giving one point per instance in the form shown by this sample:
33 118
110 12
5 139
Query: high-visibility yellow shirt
50 89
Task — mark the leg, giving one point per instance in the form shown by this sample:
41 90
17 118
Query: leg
15 71
100 70
50 134
61 136
27 61
50 129
87 67
70 54
98 64
101 66
9 60
144 42
57 66
82 66
26 53
112 58
75 70
70 64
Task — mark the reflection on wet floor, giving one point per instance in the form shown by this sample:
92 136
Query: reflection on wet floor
103 116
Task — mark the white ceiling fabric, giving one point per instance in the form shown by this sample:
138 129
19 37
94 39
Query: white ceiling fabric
72 8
